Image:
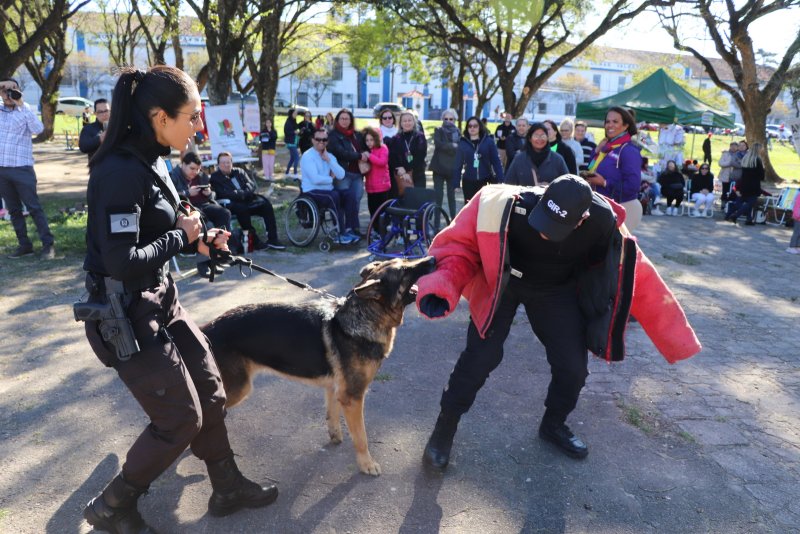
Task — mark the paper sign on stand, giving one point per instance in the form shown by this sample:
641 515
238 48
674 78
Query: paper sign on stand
225 131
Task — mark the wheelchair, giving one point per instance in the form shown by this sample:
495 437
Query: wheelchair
405 227
304 219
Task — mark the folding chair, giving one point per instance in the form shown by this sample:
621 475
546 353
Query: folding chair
784 202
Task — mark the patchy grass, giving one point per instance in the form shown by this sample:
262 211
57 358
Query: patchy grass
686 436
383 377
635 417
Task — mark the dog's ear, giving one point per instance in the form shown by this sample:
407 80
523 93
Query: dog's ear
371 289
368 269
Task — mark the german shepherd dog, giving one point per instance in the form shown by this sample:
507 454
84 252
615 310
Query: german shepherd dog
338 345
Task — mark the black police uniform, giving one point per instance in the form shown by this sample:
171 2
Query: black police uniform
543 278
130 236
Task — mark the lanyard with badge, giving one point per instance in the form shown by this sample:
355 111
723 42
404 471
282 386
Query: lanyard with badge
477 159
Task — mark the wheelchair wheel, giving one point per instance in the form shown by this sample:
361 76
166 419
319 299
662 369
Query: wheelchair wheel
325 245
429 226
329 223
302 221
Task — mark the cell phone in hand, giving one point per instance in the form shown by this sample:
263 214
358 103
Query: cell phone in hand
204 186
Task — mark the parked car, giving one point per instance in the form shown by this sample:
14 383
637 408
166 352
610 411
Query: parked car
776 131
282 107
393 106
72 105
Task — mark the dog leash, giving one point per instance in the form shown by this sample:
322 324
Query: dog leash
246 266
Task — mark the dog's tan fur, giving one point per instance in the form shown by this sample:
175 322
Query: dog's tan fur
355 335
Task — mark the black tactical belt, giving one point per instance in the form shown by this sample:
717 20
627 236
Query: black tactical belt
147 281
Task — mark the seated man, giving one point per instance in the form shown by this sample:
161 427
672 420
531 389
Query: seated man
319 169
234 185
193 185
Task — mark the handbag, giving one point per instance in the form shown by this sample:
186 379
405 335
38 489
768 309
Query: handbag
364 166
403 181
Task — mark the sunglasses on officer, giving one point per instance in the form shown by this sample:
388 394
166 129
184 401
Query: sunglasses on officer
321 139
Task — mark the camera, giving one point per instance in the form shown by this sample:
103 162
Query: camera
14 94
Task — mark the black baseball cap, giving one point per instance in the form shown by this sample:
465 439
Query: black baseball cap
564 203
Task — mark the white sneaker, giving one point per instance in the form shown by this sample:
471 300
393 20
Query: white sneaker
696 213
793 250
657 212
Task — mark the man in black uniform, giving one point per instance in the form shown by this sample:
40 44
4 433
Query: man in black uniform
551 239
93 133
233 184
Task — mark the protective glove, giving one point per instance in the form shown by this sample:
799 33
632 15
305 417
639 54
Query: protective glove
433 306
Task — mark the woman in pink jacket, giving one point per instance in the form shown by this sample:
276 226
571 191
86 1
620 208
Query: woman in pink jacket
378 182
560 252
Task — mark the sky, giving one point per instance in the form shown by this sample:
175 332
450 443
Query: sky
774 33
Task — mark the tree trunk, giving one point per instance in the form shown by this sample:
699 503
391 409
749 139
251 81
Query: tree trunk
457 88
754 115
176 46
48 118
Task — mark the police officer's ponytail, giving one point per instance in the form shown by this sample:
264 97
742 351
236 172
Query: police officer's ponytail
136 94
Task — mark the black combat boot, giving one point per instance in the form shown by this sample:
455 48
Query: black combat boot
114 510
437 451
232 491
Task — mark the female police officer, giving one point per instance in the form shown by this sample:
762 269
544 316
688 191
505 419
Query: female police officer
134 229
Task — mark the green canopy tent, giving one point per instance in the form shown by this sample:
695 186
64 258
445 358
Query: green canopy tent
658 98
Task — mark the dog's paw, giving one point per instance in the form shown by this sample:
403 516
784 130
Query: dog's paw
369 466
336 436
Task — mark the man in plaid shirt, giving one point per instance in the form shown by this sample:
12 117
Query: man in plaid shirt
18 124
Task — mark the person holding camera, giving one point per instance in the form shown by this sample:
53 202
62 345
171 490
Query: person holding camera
233 184
93 133
194 186
135 227
18 123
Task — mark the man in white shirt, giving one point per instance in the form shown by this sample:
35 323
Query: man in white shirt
319 169
18 123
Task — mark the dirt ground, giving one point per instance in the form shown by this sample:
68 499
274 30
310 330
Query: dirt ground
707 445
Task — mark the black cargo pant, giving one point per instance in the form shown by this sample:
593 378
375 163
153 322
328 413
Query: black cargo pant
556 320
260 207
176 381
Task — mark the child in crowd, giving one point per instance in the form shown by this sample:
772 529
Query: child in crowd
378 182
268 137
794 242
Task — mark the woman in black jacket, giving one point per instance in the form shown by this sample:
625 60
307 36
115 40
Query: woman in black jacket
535 163
477 157
347 146
135 227
748 187
290 137
305 130
558 146
672 187
702 191
407 152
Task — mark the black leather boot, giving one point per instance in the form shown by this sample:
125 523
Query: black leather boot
114 510
437 451
232 491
